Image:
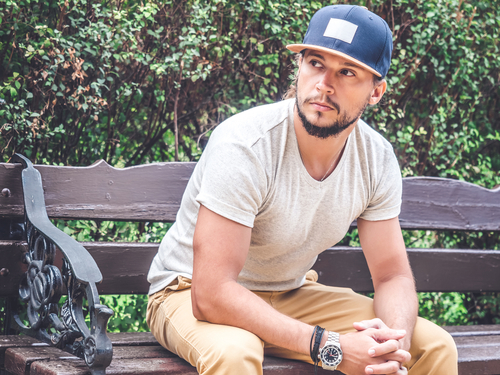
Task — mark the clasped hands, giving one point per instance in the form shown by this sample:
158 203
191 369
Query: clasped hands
373 349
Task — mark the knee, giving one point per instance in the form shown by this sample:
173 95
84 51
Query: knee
439 340
432 344
234 357
442 342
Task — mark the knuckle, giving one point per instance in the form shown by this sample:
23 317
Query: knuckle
394 367
391 346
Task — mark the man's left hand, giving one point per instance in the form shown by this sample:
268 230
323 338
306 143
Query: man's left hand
386 347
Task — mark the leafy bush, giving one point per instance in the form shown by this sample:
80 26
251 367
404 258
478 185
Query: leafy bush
130 312
132 82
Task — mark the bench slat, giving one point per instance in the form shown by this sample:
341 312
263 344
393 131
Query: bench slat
435 270
441 203
153 192
150 351
439 270
479 360
136 366
132 339
475 330
16 341
19 360
128 361
165 366
144 193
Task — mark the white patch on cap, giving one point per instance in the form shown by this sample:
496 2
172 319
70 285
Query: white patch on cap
341 29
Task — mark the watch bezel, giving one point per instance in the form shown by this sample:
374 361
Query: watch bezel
327 362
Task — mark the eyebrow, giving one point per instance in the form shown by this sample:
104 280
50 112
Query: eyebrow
346 63
353 65
316 54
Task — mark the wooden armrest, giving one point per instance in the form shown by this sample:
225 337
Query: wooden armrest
43 283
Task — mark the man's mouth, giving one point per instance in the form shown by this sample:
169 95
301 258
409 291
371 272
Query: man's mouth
322 107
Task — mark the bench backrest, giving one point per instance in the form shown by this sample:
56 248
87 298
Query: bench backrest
153 193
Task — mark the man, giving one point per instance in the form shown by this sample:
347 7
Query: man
277 185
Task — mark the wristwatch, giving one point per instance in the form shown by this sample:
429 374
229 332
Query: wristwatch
331 354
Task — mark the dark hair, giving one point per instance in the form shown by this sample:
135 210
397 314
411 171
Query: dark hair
292 90
377 80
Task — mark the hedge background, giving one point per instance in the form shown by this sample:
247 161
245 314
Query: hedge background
134 82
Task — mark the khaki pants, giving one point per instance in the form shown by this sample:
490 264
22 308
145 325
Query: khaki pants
220 349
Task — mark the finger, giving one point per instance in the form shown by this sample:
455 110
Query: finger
402 371
391 367
386 347
384 334
372 323
400 355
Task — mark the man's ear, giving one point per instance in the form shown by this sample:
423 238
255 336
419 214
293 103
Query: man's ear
378 92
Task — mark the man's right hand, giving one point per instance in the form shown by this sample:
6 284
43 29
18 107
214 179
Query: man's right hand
373 351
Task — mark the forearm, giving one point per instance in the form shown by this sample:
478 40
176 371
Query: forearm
396 304
232 304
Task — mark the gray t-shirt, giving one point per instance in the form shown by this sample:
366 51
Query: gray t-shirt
251 172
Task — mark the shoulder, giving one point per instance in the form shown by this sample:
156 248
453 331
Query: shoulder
371 139
375 154
372 148
251 126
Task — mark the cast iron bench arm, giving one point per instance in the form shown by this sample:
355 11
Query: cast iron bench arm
43 283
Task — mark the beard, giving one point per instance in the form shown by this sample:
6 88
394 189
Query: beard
330 130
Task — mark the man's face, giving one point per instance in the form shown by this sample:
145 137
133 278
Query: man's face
332 93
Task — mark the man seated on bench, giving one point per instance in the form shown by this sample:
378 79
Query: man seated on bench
277 185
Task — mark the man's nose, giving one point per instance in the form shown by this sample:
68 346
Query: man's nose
325 85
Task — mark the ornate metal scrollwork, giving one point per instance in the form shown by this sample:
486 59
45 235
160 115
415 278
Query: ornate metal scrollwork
43 285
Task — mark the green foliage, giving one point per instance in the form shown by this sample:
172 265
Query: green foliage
443 308
113 231
131 82
441 112
130 313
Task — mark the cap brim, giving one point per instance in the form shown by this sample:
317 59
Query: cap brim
297 48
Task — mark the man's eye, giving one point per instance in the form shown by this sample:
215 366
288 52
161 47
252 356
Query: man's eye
315 63
347 73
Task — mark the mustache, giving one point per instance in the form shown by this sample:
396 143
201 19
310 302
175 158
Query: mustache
326 100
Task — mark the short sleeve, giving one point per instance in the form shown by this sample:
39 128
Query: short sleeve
233 181
385 202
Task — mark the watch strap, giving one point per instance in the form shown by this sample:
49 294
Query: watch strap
332 340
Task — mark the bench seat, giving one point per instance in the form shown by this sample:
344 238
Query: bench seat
139 353
133 353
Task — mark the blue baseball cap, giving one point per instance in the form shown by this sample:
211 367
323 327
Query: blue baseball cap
352 32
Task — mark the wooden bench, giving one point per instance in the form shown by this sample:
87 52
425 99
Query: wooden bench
29 245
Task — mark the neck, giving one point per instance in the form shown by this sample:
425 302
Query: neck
320 156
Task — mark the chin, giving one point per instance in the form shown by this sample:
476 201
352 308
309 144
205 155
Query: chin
320 120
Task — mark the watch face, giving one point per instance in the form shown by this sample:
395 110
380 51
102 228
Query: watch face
331 355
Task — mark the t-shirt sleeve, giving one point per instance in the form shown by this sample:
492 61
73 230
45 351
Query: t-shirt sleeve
233 182
385 202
